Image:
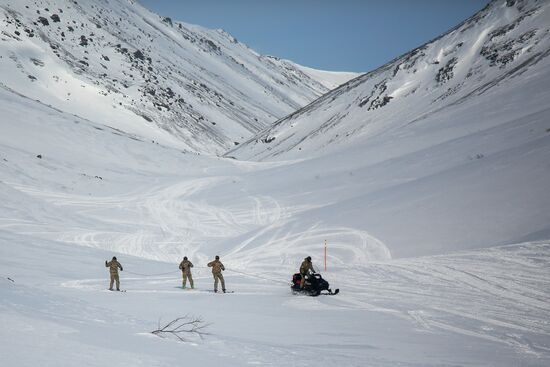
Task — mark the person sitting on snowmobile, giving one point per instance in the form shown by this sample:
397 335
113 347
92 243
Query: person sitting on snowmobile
305 268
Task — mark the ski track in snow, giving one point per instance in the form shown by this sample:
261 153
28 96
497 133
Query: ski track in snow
433 164
165 222
499 295
495 295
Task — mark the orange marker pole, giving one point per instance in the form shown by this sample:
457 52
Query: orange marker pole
325 255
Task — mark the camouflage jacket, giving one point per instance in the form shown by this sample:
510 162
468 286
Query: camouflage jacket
113 266
305 267
186 266
216 266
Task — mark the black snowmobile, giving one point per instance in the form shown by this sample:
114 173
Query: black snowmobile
313 286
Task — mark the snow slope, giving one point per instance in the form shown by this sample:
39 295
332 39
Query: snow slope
497 50
480 308
330 79
95 192
411 219
459 162
119 64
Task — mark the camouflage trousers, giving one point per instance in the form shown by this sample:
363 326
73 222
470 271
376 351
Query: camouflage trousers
303 280
218 277
114 278
185 277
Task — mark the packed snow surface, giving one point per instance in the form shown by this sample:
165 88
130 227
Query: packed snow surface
437 231
98 192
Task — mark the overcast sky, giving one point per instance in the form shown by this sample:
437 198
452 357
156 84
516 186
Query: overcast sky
346 35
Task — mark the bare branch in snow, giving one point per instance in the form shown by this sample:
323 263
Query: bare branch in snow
182 328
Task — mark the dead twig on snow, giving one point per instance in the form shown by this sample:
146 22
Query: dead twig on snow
181 327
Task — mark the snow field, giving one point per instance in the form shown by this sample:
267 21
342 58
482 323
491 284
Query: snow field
154 204
480 307
413 207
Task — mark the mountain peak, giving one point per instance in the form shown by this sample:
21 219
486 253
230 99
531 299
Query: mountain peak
119 64
484 53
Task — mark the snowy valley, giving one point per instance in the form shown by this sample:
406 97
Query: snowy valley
427 178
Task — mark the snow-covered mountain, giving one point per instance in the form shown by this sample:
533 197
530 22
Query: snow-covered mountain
117 63
73 193
499 49
330 79
412 215
427 151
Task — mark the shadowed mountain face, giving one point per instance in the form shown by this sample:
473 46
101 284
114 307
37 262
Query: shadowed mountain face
116 63
505 42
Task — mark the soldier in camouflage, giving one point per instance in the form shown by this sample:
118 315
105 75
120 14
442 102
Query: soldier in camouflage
113 266
185 267
305 268
217 268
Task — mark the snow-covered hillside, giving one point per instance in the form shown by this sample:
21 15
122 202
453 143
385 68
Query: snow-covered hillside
330 79
116 63
74 193
499 49
446 147
411 214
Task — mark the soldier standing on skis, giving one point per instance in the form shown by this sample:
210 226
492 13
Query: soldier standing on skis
217 268
185 267
305 268
113 266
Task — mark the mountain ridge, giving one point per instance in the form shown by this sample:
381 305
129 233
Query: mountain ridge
184 85
469 59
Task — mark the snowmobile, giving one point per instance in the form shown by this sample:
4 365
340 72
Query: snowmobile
313 286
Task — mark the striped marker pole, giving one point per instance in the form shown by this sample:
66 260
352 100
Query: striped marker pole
325 255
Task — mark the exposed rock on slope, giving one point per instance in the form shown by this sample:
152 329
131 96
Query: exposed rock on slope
501 43
116 63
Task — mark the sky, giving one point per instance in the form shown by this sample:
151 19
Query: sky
338 35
